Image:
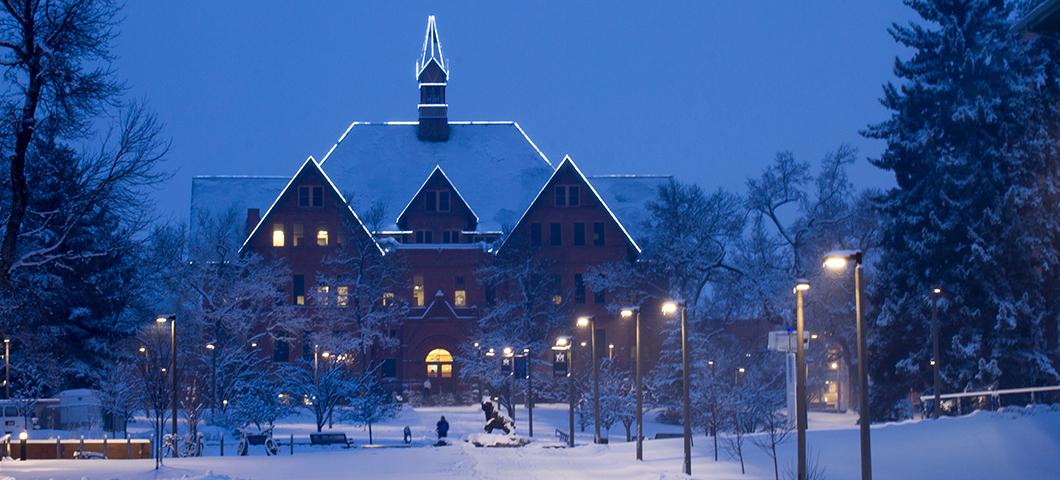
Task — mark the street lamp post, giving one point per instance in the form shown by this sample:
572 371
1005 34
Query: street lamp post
213 375
510 355
626 313
529 391
566 344
172 319
670 308
7 368
801 286
590 322
838 260
935 354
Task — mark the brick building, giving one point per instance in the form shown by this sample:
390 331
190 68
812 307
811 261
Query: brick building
447 196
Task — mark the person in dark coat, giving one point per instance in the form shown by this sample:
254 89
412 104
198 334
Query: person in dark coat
487 408
442 428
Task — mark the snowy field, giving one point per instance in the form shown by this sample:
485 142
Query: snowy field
1014 443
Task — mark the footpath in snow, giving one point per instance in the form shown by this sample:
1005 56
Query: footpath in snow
1015 443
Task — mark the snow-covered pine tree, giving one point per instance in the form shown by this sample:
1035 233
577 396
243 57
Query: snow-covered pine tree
971 142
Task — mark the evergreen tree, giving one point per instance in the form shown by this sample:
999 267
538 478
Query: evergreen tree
973 212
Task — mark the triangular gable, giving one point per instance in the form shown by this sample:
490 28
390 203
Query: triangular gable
436 172
309 163
569 163
440 308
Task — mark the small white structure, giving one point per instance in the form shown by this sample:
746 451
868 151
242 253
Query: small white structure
784 341
80 408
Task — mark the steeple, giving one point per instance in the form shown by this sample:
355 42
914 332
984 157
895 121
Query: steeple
432 75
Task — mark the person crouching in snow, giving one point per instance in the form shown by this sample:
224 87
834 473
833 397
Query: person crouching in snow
442 428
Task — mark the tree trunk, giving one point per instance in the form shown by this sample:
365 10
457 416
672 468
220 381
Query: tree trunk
23 136
776 471
370 440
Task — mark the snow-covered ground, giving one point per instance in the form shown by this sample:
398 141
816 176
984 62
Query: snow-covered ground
1014 443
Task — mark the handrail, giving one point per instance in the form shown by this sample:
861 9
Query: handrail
992 393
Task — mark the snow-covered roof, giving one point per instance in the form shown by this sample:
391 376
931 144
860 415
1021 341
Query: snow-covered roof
494 165
628 196
213 195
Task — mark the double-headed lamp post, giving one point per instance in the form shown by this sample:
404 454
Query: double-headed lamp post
510 355
172 319
566 344
589 321
627 313
935 353
801 286
837 261
671 308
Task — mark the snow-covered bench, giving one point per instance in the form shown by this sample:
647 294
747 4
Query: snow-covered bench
329 439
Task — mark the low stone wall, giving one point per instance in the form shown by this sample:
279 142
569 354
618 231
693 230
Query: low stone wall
64 449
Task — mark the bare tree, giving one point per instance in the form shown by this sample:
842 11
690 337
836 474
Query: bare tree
354 305
119 394
54 54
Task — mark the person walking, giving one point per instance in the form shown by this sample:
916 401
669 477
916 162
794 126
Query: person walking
442 428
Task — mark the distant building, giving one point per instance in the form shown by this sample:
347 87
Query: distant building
452 195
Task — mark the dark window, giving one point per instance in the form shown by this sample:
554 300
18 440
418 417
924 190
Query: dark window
561 196
432 202
307 349
389 368
460 282
318 196
555 234
298 290
535 234
598 233
447 237
428 237
310 196
419 237
579 234
573 196
579 288
443 201
599 297
281 351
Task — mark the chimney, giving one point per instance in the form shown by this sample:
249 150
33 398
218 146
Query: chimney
253 217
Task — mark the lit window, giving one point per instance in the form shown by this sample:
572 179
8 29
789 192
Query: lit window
557 299
439 363
322 238
297 234
277 235
322 294
460 298
417 290
388 298
342 295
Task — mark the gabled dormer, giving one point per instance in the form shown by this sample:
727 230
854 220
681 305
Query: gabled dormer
309 215
437 213
569 216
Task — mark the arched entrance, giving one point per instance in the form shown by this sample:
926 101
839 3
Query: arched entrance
439 364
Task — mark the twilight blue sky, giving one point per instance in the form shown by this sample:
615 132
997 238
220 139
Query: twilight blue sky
705 90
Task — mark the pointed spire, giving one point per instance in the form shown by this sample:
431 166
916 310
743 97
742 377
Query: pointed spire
432 48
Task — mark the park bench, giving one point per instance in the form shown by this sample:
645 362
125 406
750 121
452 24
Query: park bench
329 439
659 436
562 436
